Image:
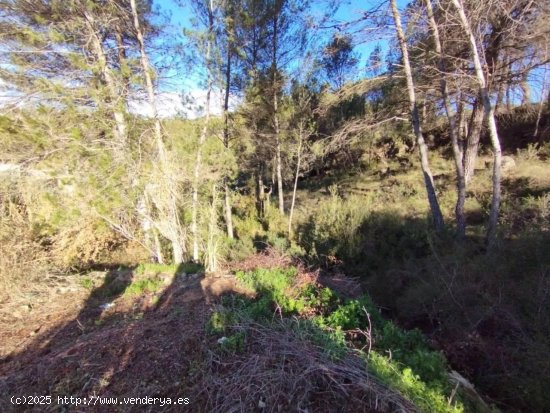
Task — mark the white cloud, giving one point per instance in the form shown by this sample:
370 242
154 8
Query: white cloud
189 105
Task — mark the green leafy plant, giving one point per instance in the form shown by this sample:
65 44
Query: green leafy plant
147 285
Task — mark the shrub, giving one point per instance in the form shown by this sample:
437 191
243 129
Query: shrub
411 385
363 239
333 230
412 368
220 321
273 287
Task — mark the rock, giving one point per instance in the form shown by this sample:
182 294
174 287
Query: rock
106 306
508 163
166 278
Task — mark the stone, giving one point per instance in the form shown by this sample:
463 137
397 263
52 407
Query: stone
508 163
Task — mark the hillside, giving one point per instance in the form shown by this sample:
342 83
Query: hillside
274 206
106 336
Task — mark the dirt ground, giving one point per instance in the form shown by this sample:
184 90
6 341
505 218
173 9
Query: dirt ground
73 341
100 344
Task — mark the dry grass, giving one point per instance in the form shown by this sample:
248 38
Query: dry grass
269 258
22 262
279 371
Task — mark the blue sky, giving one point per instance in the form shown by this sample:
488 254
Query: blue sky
349 10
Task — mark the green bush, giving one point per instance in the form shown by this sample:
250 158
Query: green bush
220 321
351 231
428 399
412 367
334 229
273 287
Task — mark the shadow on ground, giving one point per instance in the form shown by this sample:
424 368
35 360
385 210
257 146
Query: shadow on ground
119 345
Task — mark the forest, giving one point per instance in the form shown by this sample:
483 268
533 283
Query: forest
274 206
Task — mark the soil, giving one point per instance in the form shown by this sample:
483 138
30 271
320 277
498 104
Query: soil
78 342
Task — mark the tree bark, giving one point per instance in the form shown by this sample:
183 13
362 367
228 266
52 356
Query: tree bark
211 259
298 162
423 148
462 127
539 111
227 191
490 115
260 191
472 141
453 128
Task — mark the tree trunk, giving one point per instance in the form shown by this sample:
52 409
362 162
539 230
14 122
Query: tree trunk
472 141
120 130
227 207
158 247
202 138
462 127
276 127
299 160
490 115
175 235
260 191
227 192
150 239
453 128
211 259
423 148
539 111
280 178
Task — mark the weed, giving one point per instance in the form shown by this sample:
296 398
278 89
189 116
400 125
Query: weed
220 321
147 285
530 153
429 399
87 283
154 268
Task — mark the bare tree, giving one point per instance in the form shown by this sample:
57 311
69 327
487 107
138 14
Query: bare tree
453 128
423 148
490 115
168 200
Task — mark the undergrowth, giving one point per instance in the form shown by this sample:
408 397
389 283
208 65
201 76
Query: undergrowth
402 360
147 285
